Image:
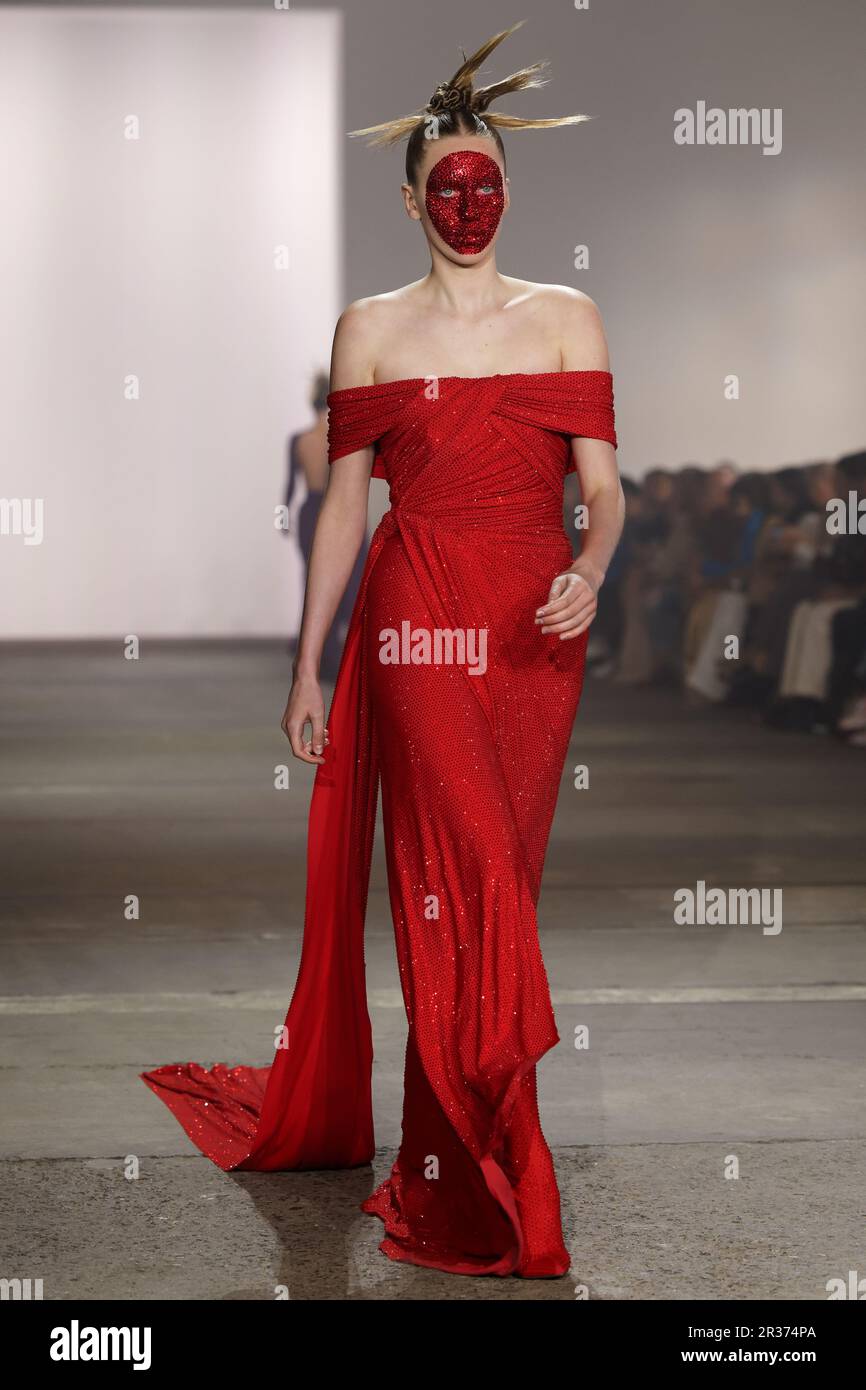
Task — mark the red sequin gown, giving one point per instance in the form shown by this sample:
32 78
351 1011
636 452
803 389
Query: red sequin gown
469 767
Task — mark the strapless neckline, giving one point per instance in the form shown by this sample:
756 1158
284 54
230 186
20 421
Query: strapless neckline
491 376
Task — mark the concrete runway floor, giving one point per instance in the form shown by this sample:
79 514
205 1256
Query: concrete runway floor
710 1048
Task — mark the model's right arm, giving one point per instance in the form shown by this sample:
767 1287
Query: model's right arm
339 533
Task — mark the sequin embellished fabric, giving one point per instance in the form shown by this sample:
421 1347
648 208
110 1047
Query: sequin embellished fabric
469 768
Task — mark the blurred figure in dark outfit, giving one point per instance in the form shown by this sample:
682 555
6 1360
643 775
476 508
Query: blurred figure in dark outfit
308 458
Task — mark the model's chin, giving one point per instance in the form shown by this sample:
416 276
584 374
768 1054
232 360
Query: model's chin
468 250
471 251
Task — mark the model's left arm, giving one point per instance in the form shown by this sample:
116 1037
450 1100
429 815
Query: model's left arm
573 598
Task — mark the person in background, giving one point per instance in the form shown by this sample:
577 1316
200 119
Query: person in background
704 557
308 458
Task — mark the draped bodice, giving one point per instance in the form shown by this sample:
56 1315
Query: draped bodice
475 451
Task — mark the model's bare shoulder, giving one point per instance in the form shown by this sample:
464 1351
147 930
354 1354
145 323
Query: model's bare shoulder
353 355
576 321
362 330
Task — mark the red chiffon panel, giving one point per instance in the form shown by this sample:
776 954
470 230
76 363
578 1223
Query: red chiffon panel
469 767
312 1108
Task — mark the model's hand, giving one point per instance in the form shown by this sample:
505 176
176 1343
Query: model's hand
572 602
306 706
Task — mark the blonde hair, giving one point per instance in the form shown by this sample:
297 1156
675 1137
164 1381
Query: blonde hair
460 106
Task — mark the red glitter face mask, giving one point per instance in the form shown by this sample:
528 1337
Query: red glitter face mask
465 198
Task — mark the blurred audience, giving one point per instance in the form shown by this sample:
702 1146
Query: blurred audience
746 589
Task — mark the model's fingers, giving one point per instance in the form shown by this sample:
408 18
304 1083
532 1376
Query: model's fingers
318 722
294 730
579 597
583 624
584 606
560 594
571 624
312 746
311 753
550 610
587 622
301 748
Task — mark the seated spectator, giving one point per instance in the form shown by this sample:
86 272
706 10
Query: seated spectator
707 555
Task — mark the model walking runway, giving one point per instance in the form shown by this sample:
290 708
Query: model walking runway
459 683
